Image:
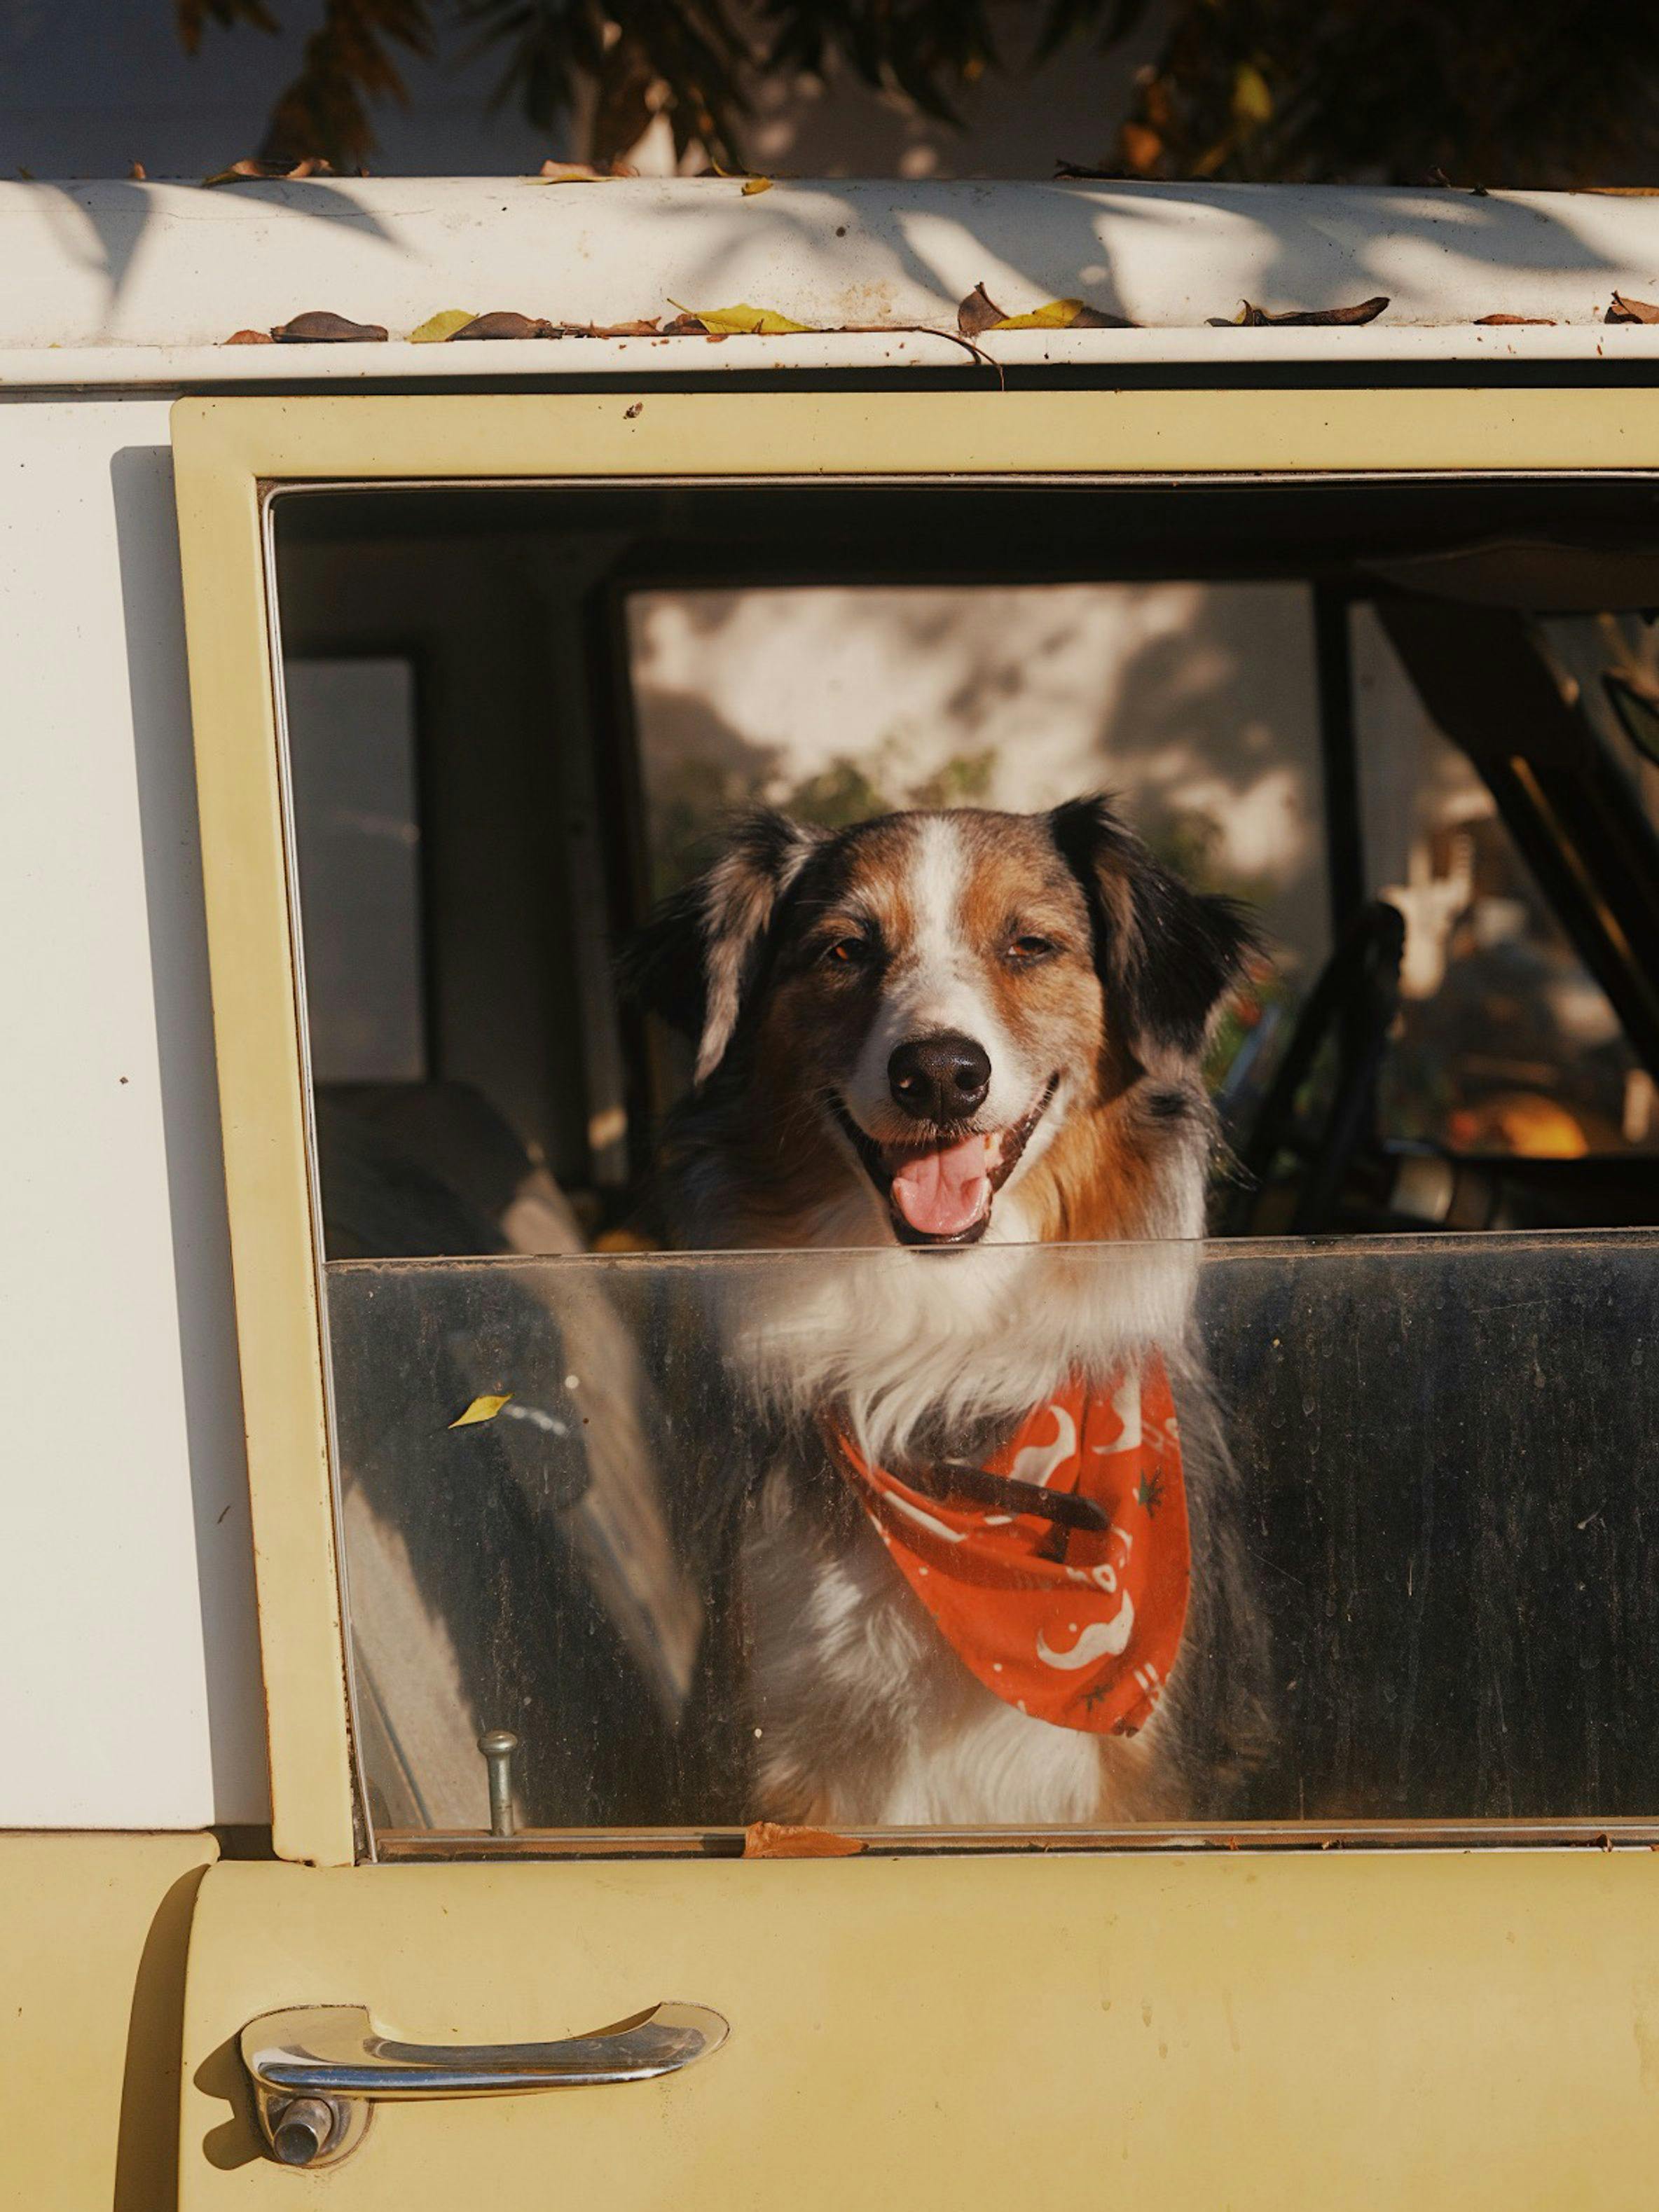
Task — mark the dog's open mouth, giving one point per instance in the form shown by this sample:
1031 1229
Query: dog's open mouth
941 1192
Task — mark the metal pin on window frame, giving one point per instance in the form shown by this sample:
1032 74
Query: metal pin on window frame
498 1746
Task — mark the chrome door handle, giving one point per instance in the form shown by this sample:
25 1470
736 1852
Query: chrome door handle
319 2070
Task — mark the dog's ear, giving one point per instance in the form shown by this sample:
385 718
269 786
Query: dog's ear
697 958
1167 954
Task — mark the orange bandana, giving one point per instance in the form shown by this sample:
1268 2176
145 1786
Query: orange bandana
1078 1626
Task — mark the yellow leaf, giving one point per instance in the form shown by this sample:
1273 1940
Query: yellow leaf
1252 101
444 324
482 1409
743 321
1054 315
751 185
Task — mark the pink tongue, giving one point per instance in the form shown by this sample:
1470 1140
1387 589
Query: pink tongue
943 1193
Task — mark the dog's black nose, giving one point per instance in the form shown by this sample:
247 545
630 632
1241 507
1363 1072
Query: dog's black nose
940 1078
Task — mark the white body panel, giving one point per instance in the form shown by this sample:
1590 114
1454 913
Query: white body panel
127 1644
128 1650
173 270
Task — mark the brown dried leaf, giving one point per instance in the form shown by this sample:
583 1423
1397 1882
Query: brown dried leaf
249 172
249 337
774 1839
319 326
138 173
1627 310
572 173
503 323
1482 322
1367 311
684 327
978 314
648 327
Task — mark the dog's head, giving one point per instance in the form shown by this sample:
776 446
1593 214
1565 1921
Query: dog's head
902 1025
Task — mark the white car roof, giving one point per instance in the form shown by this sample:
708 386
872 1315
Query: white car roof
143 282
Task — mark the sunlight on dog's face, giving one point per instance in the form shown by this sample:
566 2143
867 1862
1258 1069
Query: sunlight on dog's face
935 997
899 1022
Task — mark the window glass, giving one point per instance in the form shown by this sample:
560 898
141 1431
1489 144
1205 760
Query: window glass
351 746
1505 1042
1195 703
582 1505
1420 1597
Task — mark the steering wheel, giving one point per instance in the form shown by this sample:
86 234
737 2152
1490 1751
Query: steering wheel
1357 995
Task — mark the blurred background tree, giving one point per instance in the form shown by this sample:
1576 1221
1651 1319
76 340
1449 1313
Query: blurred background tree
1513 92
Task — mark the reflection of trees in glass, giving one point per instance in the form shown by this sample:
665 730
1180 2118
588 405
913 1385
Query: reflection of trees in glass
692 797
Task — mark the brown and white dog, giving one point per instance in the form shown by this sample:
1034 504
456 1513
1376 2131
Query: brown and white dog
976 1035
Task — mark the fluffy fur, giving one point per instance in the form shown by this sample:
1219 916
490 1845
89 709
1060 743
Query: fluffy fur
1079 979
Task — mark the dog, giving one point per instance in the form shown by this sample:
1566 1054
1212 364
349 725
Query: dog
955 1053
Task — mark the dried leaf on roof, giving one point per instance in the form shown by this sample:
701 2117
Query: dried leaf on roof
249 337
1366 311
319 326
1482 321
578 172
741 321
444 324
1627 310
1064 315
505 323
648 327
978 312
247 172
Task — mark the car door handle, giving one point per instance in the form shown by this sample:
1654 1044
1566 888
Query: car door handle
319 2070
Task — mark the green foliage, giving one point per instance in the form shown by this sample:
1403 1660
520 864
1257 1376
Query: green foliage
1540 93
1513 92
1487 92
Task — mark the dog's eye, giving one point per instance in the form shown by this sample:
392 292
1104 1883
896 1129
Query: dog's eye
1026 950
847 952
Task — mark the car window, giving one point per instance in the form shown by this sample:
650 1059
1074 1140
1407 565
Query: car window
1368 1549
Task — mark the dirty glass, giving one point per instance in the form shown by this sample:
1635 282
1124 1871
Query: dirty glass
1426 1594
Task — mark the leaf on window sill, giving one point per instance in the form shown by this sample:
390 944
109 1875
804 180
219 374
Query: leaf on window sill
1483 322
1625 310
774 1839
753 184
482 1409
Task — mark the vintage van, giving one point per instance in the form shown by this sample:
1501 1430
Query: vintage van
363 684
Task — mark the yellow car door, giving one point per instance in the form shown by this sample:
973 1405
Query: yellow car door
397 2014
